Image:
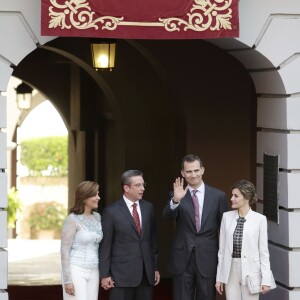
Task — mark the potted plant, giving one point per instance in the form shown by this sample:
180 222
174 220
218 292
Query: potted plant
47 216
14 210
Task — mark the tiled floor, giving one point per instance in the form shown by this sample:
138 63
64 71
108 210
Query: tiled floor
34 272
33 262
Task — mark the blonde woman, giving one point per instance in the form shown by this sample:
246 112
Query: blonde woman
81 235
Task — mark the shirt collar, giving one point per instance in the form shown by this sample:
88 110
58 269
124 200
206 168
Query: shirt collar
247 215
200 188
129 202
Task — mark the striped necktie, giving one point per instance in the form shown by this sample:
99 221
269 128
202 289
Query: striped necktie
136 218
196 208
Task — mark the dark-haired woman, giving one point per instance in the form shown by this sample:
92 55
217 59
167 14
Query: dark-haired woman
81 235
243 246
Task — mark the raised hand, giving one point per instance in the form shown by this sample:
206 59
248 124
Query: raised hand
179 190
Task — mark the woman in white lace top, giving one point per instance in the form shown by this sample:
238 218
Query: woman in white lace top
81 235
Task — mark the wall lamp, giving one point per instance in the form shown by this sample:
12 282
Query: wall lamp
24 96
103 53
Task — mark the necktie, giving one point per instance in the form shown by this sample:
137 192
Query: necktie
136 218
196 208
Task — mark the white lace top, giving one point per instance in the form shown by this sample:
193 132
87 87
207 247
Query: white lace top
80 240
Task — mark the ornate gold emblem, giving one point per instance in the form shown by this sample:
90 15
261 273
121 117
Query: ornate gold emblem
78 14
204 15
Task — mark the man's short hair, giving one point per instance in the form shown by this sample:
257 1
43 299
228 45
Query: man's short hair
191 158
126 177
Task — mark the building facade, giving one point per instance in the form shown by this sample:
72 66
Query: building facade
268 49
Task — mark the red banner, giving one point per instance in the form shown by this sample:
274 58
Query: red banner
141 19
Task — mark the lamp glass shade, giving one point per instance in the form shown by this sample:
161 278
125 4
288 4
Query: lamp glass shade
24 96
103 55
24 101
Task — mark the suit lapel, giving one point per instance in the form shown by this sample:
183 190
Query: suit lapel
232 222
144 214
125 211
249 221
190 207
207 205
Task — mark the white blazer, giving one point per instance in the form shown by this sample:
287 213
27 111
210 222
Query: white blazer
255 252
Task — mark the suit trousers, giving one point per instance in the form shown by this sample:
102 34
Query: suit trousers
234 289
86 284
191 285
144 291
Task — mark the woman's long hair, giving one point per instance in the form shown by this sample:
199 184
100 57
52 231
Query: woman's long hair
85 189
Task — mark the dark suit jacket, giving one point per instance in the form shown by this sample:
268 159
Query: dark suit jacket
186 236
123 253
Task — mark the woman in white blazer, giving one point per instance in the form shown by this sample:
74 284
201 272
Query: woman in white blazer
243 248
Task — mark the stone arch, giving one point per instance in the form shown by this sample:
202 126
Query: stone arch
263 30
46 190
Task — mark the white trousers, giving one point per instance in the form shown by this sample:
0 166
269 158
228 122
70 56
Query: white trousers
86 284
234 289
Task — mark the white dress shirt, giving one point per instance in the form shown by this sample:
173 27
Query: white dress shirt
129 204
200 196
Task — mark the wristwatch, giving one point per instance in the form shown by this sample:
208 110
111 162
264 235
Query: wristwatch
174 202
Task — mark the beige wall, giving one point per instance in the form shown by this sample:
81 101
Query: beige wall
39 190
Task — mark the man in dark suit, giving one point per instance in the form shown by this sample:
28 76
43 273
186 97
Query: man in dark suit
198 210
128 253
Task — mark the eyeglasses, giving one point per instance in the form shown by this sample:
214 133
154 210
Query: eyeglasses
139 185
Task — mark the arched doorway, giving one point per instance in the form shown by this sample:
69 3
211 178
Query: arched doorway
42 190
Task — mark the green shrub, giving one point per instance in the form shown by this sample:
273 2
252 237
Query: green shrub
45 156
14 208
